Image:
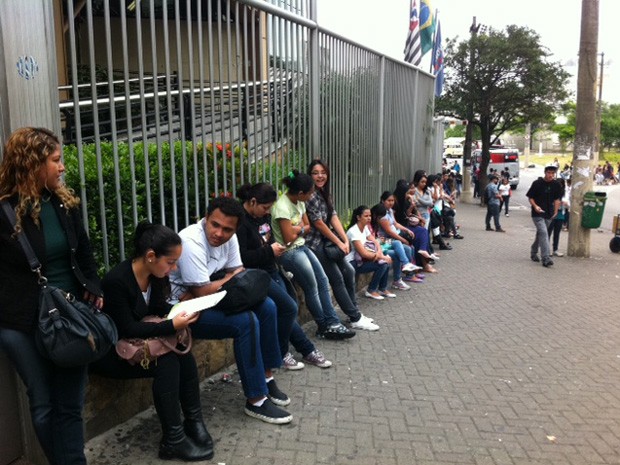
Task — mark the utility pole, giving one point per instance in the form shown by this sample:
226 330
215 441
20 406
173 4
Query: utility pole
526 147
599 106
467 194
584 156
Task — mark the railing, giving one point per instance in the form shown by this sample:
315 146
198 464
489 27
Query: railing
264 83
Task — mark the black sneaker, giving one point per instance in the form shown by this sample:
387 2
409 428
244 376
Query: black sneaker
336 332
535 258
269 413
277 396
547 263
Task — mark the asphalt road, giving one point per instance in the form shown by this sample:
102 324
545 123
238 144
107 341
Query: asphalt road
528 175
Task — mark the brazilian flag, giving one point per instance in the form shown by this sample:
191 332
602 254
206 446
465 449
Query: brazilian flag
427 25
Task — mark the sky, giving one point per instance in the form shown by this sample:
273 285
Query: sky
383 26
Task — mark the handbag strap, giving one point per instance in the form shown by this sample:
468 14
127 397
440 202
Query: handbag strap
33 261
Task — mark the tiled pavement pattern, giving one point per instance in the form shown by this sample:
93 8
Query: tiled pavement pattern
495 360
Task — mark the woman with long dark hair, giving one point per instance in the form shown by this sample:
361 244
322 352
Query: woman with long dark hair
290 225
367 255
139 287
327 230
259 250
406 214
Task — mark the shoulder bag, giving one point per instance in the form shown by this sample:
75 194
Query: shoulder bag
332 251
144 351
245 290
70 332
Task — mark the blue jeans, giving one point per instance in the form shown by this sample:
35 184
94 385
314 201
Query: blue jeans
493 211
309 274
542 237
256 346
380 274
287 309
341 276
401 255
56 398
420 241
287 306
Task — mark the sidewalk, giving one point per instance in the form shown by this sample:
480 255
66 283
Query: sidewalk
494 360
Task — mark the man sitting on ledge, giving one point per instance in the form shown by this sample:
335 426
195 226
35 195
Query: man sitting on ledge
210 246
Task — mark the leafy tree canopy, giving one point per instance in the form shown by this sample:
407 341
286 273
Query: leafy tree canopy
506 77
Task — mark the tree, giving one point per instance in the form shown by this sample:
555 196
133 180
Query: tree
610 126
566 129
512 81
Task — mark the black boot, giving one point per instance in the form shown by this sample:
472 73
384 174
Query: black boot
194 424
174 443
442 244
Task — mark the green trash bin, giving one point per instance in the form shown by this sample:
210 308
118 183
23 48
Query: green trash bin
593 207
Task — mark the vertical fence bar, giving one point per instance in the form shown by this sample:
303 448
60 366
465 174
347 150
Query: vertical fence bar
93 80
143 118
77 112
181 102
128 111
190 133
212 95
112 104
158 135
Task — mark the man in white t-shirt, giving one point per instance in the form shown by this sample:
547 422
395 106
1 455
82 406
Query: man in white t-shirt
210 248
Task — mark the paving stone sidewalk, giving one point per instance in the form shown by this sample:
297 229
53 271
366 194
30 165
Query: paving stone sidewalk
494 360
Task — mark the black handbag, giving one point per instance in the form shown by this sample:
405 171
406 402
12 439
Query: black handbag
70 332
332 251
244 291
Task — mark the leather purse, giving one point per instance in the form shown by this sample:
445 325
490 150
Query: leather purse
70 332
332 251
145 351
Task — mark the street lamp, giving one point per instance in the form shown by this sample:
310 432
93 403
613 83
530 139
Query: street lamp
467 195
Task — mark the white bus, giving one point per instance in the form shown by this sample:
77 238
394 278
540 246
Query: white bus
500 159
453 147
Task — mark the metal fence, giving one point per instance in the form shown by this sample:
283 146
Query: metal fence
167 103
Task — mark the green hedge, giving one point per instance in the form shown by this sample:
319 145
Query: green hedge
223 163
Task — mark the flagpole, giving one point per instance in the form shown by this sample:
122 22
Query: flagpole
434 37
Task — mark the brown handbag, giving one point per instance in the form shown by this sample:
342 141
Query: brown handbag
145 351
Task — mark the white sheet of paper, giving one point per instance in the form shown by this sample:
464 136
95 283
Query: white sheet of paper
196 305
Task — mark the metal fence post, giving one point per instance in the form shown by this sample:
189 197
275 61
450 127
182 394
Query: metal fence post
315 66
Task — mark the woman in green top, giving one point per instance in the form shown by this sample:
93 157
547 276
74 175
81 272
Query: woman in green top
290 223
47 212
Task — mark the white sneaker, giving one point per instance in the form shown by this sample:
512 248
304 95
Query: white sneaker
373 296
400 284
434 257
409 267
558 254
290 363
387 293
364 323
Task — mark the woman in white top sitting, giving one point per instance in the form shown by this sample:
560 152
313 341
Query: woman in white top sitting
367 256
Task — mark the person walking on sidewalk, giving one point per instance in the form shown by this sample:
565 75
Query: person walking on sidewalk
544 194
493 208
504 192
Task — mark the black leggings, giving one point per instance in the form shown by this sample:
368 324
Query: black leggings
170 372
555 227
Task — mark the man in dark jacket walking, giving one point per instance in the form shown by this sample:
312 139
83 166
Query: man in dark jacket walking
545 195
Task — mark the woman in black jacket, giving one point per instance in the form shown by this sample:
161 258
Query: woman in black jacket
46 211
139 287
259 250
